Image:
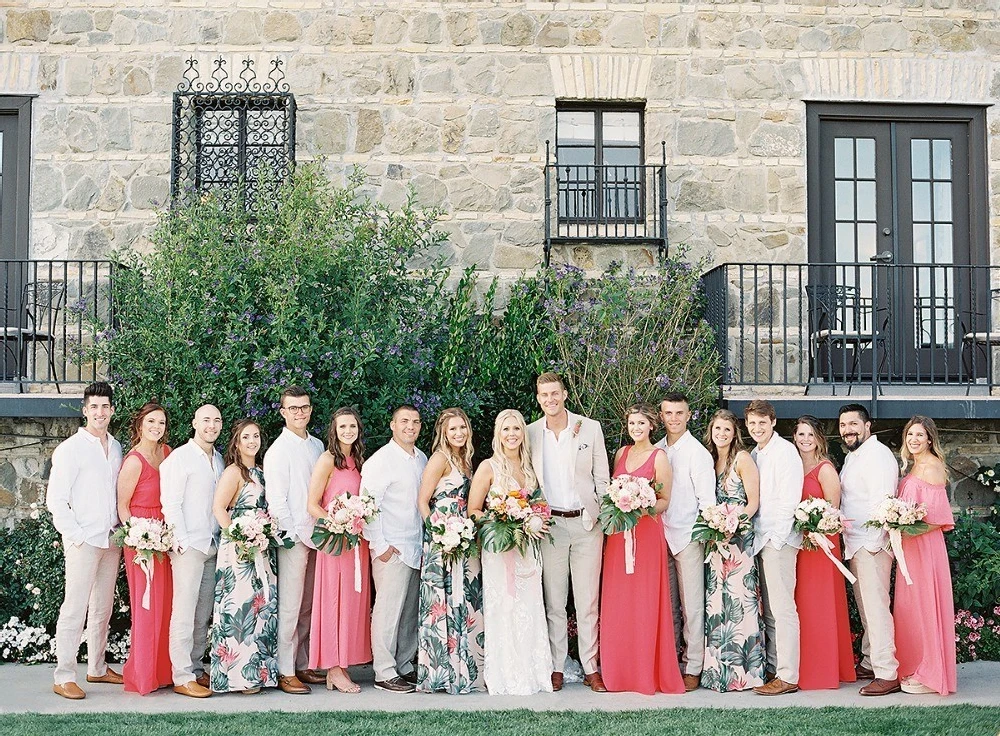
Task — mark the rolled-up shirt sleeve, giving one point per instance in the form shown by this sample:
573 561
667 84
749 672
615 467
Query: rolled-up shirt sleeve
172 483
790 477
703 479
58 495
276 482
375 482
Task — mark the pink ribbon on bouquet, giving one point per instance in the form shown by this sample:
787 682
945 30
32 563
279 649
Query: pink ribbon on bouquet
357 568
821 542
146 565
629 551
896 544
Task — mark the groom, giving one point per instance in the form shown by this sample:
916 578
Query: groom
571 463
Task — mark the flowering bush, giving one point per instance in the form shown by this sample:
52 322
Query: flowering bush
989 476
20 642
977 636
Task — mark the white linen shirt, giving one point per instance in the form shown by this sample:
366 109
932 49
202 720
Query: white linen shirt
82 494
392 476
557 468
870 474
692 490
781 479
288 466
188 477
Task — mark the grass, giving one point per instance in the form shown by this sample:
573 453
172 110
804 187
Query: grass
965 720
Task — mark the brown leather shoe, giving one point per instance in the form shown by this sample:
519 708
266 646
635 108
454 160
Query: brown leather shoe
879 686
193 690
595 682
313 677
557 681
691 682
293 685
69 690
110 677
777 686
204 680
863 673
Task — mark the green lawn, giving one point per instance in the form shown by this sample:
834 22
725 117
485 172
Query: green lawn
958 719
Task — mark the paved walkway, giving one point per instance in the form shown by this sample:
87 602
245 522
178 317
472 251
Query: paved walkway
28 689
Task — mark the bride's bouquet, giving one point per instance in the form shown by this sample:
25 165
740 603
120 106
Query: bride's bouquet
716 525
255 531
346 516
513 520
453 535
897 517
151 539
625 502
816 518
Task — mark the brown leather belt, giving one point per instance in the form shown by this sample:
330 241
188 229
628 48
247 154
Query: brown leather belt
567 514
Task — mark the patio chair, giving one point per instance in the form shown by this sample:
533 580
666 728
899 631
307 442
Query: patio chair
841 318
34 323
980 336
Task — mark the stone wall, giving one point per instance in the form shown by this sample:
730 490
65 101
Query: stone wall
457 100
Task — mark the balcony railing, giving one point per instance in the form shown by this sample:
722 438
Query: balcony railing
51 310
605 203
837 327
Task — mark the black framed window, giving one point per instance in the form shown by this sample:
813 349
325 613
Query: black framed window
599 155
15 169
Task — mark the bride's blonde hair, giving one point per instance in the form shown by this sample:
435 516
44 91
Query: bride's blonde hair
502 467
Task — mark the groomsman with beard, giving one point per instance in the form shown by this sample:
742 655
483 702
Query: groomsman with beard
392 475
288 467
83 499
187 489
571 461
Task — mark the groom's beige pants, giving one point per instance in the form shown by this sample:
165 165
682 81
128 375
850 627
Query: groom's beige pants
296 567
871 593
781 617
577 551
394 617
687 592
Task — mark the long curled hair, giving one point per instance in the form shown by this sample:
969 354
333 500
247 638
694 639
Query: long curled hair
233 456
135 428
357 447
933 440
463 459
503 467
735 446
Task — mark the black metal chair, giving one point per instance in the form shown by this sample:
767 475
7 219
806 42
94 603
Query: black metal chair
841 318
35 322
979 336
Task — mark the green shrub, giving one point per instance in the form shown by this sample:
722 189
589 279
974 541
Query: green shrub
974 553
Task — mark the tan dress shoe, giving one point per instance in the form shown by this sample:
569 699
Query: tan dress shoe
192 690
110 677
313 677
595 682
777 686
292 685
69 690
557 681
691 682
879 686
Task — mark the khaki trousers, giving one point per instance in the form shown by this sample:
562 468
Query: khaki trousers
296 567
89 597
194 595
394 618
687 593
781 617
871 593
575 552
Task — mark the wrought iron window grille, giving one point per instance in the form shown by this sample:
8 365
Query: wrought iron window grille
233 136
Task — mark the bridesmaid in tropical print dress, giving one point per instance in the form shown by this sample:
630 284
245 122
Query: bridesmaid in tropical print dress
734 645
450 639
245 628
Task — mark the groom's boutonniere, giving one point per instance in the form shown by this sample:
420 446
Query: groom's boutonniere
576 427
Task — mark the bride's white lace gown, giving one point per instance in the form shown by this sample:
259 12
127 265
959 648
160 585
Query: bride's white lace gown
517 656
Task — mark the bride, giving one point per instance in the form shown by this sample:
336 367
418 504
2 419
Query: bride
517 656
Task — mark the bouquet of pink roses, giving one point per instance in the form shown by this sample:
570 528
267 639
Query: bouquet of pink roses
151 539
717 524
345 519
817 518
625 502
513 520
253 532
454 535
897 517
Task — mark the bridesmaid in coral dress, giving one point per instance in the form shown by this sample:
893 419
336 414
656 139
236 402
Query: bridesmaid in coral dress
342 608
638 651
148 665
826 657
924 612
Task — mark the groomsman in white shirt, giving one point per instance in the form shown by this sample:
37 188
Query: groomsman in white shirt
693 489
83 500
187 489
288 466
571 462
776 545
392 475
870 475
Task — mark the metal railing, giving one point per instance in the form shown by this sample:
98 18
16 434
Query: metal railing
50 313
850 325
605 203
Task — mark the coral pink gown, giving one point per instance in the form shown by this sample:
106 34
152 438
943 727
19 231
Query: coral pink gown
924 613
148 665
341 615
826 656
638 652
